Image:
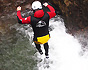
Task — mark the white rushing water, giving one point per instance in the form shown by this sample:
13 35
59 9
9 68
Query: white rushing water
64 50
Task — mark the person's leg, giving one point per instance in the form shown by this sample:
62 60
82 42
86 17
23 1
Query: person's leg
46 47
39 48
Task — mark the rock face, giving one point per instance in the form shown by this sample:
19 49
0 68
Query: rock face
9 6
74 12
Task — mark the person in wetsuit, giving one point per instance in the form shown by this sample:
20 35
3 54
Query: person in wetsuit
40 23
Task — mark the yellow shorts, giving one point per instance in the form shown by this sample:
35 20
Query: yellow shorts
43 39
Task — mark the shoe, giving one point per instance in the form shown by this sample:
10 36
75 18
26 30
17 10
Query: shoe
41 53
47 57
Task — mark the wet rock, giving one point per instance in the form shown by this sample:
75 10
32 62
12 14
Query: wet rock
9 6
74 13
82 36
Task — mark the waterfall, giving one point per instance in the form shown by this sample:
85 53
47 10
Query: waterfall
64 49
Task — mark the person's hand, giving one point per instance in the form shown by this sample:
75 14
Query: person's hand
18 8
45 4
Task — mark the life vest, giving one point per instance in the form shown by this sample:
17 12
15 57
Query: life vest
40 28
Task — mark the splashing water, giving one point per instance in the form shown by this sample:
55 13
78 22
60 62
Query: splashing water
64 50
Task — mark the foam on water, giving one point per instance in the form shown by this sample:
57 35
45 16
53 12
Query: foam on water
64 50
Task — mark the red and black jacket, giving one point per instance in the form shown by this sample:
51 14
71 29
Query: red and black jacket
39 22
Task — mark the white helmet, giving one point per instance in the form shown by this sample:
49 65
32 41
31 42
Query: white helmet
36 5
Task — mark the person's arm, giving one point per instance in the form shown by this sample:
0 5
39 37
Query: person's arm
52 10
22 20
